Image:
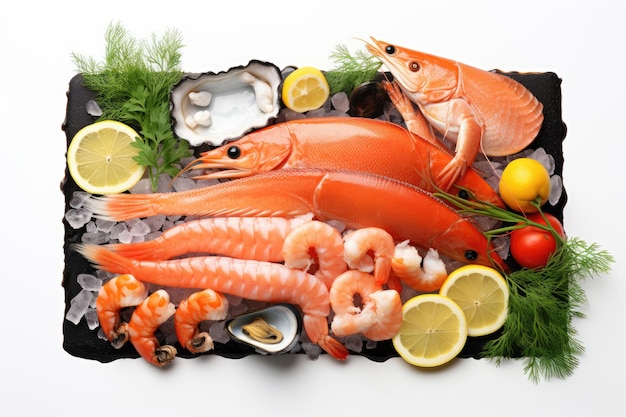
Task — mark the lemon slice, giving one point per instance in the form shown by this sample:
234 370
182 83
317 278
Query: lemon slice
483 295
433 330
305 89
100 158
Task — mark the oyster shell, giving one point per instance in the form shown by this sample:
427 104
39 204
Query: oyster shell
277 328
214 107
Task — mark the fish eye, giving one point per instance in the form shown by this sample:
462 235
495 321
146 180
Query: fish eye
414 66
471 255
463 194
390 49
233 152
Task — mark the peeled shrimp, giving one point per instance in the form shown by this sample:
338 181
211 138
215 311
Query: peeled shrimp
117 293
198 307
321 239
259 238
388 308
146 319
360 243
350 317
256 280
407 266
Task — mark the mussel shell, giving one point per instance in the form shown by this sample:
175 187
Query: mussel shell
367 100
284 317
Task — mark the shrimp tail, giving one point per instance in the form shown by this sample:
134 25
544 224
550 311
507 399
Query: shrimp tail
317 329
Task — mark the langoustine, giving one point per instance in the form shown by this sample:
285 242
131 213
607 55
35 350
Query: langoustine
256 280
479 110
354 144
356 199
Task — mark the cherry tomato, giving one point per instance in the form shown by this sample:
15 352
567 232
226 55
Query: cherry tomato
531 246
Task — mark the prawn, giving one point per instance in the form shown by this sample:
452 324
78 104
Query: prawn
359 243
407 266
315 244
259 238
255 280
388 307
146 319
198 307
117 293
351 303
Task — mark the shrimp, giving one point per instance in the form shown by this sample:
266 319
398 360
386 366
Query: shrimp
198 307
255 280
259 238
406 265
146 319
388 307
321 239
359 243
117 293
350 300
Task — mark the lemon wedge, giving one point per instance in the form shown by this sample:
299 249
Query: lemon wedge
100 158
305 89
433 330
482 293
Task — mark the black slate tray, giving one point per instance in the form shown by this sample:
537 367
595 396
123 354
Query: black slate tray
80 341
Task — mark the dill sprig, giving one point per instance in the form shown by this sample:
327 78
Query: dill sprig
542 302
350 69
132 86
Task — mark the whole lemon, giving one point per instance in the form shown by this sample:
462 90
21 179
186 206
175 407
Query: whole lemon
523 181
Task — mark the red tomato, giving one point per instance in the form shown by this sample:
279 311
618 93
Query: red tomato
531 246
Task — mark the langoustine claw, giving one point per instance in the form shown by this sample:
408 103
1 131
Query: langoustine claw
198 307
146 319
117 293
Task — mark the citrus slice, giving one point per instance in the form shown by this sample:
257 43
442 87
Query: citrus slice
100 158
483 295
305 89
433 330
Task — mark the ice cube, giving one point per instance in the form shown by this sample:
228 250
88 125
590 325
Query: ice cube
91 317
340 102
78 306
77 218
78 198
89 282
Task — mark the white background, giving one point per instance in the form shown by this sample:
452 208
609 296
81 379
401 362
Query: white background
582 44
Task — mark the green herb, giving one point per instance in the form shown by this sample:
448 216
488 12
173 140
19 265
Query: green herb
542 302
351 70
132 86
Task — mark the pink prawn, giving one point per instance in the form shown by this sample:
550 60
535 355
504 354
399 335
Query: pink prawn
259 238
200 306
407 266
370 249
146 319
116 294
315 244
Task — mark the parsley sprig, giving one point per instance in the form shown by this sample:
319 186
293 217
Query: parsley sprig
542 302
132 86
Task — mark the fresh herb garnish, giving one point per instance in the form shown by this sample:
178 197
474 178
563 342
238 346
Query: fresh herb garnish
132 86
542 302
351 70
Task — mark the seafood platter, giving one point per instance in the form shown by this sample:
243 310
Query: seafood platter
310 222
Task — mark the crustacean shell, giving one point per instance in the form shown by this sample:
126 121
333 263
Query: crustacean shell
214 107
279 319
